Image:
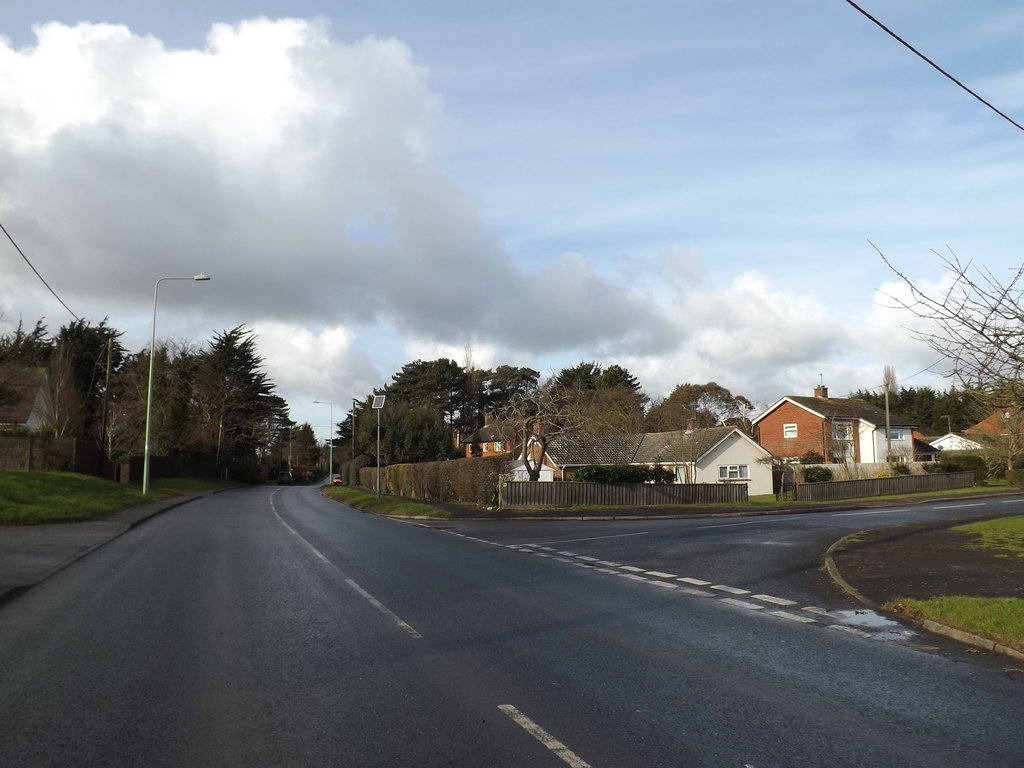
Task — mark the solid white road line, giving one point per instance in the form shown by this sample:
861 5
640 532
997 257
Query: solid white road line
749 522
382 608
868 512
567 756
362 592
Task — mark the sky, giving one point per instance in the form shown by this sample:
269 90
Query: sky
695 191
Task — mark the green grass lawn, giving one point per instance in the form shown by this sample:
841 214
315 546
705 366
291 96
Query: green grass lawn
65 497
996 618
1005 535
385 505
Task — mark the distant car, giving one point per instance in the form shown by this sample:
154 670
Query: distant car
336 479
284 478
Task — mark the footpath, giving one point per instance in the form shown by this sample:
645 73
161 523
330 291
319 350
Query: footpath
910 561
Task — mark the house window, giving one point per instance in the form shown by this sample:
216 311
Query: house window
895 434
733 472
842 430
789 430
499 447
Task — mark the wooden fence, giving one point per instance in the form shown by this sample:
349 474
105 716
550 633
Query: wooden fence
836 490
537 495
30 453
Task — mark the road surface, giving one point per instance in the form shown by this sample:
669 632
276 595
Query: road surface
272 627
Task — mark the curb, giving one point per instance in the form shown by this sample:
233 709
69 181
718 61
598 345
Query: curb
159 507
935 627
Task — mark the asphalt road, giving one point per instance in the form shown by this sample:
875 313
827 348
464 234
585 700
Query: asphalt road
272 627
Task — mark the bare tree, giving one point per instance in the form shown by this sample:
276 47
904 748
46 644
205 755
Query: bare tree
67 407
978 326
532 420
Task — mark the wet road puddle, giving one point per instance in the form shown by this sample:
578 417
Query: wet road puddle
881 627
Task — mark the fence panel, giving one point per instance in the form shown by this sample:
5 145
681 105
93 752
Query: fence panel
537 495
837 490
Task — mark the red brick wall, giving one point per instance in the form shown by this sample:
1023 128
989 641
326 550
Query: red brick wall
812 432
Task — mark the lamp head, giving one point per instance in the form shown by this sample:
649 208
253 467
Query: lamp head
201 276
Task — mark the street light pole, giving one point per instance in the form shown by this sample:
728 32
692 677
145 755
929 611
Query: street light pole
330 443
149 386
378 404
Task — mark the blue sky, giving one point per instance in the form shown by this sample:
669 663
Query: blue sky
686 189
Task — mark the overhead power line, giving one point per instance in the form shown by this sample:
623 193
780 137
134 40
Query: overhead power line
32 267
933 64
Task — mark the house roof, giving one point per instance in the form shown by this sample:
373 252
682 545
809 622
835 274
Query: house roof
23 385
842 408
581 450
651 448
1001 422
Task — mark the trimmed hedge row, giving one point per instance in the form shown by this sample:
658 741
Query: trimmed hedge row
470 481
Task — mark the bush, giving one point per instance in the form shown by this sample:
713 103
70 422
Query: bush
817 474
812 458
1015 477
622 473
964 462
900 469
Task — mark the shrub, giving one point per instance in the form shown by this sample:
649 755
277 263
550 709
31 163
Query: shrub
622 473
964 462
900 469
817 474
1015 477
812 458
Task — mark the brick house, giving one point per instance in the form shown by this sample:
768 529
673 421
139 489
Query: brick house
486 441
841 430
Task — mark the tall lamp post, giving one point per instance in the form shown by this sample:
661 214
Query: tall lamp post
378 404
330 443
149 386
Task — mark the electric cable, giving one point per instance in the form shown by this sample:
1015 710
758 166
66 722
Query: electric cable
32 267
933 64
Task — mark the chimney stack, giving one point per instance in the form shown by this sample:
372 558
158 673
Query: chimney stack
821 391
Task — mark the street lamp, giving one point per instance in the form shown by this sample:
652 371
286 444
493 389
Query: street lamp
330 443
149 387
378 404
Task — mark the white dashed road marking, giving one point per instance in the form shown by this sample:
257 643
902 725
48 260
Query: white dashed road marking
731 590
567 756
695 582
775 600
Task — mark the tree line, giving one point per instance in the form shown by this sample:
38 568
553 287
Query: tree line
214 403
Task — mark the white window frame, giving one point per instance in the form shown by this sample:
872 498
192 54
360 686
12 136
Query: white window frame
895 433
733 471
789 431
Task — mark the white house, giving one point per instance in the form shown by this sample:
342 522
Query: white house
954 442
714 455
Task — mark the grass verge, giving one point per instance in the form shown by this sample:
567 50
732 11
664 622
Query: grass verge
28 498
1005 535
997 618
385 505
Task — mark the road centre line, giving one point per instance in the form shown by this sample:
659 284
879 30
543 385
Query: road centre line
358 589
869 512
567 756
961 506
592 538
749 522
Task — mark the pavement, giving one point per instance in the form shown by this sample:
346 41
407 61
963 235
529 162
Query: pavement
30 554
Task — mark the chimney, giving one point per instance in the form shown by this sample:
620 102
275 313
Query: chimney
821 391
